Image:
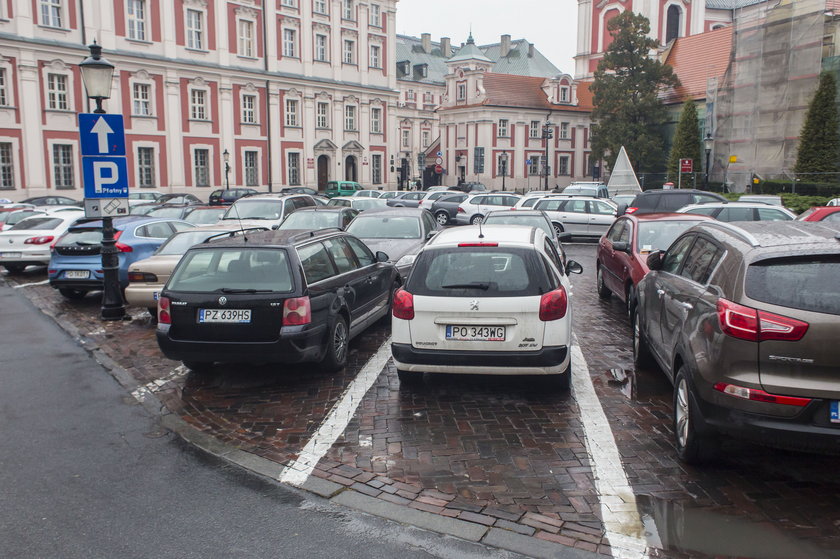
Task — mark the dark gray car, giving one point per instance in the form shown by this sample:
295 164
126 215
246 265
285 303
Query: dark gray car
445 208
745 320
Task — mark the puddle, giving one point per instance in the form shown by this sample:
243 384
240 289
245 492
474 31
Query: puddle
638 386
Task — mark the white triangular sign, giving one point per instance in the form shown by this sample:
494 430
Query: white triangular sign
622 178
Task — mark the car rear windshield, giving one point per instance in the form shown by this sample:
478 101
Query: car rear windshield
81 237
43 223
233 270
182 242
255 209
384 227
526 220
310 220
808 283
166 212
478 272
658 235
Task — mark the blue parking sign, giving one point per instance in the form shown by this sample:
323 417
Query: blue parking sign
102 134
105 177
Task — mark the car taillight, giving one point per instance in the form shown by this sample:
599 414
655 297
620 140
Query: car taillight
750 324
120 246
757 395
163 311
403 307
142 276
39 240
461 210
297 311
630 210
553 305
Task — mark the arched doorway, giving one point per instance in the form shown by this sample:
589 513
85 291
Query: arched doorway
672 30
323 171
350 173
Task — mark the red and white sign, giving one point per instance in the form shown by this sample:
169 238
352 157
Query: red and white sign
310 163
438 169
686 165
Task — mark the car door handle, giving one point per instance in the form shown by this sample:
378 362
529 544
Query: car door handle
660 292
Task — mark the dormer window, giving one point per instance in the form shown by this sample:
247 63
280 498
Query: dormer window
462 92
564 94
421 70
404 67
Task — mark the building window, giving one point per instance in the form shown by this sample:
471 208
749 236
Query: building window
350 117
534 167
137 20
348 12
294 168
535 129
564 130
198 104
563 165
146 167
425 136
503 128
405 137
290 43
375 15
195 29
321 48
409 95
250 166
564 94
462 92
320 7
288 3
292 112
141 99
7 167
51 13
249 109
63 166
376 168
428 97
349 51
4 96
57 92
376 120
322 115
201 167
246 38
375 58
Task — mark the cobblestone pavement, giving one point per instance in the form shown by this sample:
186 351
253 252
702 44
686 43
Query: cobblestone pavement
507 453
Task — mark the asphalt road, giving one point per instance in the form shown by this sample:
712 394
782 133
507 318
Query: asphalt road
85 472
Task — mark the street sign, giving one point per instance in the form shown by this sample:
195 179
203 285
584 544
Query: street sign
440 154
439 161
686 165
106 207
527 162
733 159
105 177
102 134
438 169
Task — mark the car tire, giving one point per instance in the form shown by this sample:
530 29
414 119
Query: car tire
15 268
338 344
641 352
693 446
442 218
198 366
558 229
409 378
74 294
603 291
476 219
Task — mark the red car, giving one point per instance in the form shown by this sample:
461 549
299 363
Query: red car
829 214
623 251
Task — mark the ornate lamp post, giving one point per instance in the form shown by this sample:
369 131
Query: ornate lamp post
503 161
97 74
547 134
226 157
708 142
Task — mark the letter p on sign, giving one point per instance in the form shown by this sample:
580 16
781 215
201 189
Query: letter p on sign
105 173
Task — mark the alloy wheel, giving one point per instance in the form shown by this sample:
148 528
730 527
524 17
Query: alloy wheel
681 413
340 341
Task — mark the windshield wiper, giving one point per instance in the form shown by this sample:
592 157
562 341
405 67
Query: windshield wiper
473 285
234 290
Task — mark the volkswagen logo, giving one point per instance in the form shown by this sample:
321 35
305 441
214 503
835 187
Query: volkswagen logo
223 301
474 305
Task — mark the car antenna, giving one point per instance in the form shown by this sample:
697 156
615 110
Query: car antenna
239 219
480 230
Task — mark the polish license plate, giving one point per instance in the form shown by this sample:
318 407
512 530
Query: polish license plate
156 295
835 412
230 316
10 255
77 274
475 333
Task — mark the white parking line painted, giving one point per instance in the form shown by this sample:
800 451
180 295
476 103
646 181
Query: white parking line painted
150 388
619 513
46 281
337 420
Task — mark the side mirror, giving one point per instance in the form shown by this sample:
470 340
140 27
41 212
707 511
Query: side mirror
573 267
430 235
621 246
381 256
565 237
655 259
622 209
275 227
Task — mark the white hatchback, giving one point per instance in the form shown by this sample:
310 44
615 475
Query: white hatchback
490 300
473 209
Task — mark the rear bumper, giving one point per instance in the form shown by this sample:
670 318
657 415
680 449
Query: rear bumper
41 258
547 361
142 294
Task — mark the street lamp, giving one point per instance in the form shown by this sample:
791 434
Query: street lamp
503 160
547 134
226 157
708 142
97 74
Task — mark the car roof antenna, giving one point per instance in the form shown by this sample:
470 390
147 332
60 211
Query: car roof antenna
480 230
239 219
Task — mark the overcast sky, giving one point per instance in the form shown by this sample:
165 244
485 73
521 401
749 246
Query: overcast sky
550 24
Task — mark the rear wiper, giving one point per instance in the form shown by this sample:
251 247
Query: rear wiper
234 290
474 285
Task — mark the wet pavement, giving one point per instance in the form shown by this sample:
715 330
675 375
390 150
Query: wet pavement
503 452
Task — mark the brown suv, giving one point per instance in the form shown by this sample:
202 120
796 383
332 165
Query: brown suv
745 320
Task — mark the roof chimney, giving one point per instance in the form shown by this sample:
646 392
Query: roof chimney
505 47
530 50
426 39
445 47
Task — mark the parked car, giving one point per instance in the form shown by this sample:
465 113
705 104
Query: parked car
470 187
593 189
204 215
341 188
176 198
299 190
445 208
227 196
621 262
28 242
410 199
360 203
52 201
825 214
75 267
665 200
147 277
142 197
368 193
15 215
143 209
622 198
266 210
175 211
437 189
387 194
762 198
833 202
740 211
237 301
485 300
475 207
578 216
528 218
319 217
744 322
398 232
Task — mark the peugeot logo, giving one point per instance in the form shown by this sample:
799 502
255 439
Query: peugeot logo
474 305
223 301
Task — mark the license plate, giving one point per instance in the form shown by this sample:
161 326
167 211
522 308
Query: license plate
231 316
10 255
156 295
475 333
835 412
77 274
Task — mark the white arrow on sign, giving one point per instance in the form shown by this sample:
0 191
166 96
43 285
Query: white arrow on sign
102 130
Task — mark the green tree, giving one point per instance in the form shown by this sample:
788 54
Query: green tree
686 141
626 90
819 142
